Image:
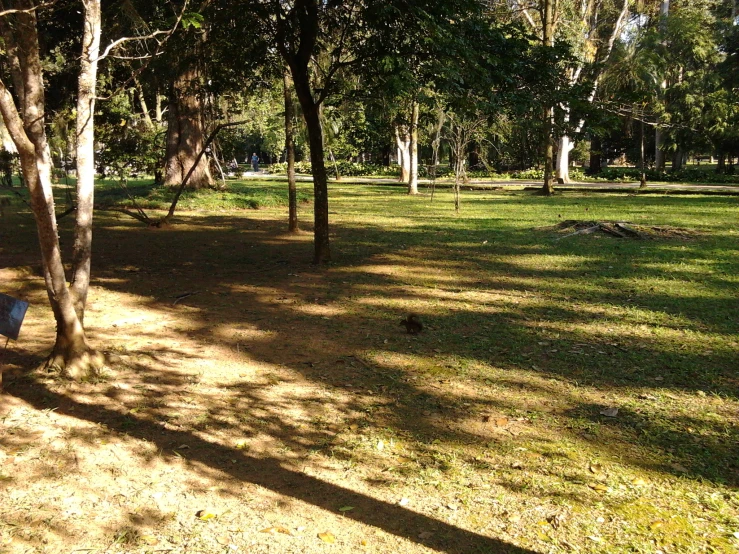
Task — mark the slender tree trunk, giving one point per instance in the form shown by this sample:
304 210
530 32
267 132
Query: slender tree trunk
643 175
322 251
26 124
87 87
548 40
659 155
185 134
413 177
403 141
158 112
142 102
292 190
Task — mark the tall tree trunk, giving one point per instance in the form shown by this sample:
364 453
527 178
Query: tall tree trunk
26 124
158 111
413 177
563 159
642 164
595 155
185 134
322 251
142 102
678 157
292 191
721 163
659 155
548 40
403 142
87 87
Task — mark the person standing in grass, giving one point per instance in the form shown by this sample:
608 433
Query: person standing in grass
255 162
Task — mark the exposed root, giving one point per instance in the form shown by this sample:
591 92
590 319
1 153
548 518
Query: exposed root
79 366
619 229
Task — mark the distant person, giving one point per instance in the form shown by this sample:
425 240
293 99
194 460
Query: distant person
255 162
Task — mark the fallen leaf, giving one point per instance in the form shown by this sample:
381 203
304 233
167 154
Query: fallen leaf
403 502
736 534
501 422
596 468
514 518
353 427
151 540
241 444
609 412
283 530
346 508
205 515
327 537
639 482
599 487
380 445
656 525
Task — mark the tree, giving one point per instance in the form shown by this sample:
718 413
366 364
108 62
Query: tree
290 153
23 112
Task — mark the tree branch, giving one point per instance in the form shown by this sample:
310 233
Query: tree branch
168 33
27 10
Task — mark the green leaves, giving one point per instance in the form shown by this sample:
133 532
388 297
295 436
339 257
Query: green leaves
192 19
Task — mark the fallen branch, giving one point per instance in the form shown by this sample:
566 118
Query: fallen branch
585 231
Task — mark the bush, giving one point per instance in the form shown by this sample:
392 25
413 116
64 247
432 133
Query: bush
687 175
346 169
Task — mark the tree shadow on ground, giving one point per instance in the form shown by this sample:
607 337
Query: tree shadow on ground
256 294
272 474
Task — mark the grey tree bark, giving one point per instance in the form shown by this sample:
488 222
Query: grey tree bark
413 150
25 121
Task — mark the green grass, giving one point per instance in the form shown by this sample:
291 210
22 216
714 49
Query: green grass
541 332
237 195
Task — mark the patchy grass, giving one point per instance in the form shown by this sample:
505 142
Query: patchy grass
571 395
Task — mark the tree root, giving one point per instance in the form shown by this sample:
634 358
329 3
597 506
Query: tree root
76 366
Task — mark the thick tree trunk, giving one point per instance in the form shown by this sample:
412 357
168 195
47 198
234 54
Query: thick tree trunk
185 135
721 163
403 142
563 159
678 158
25 123
292 191
595 155
413 177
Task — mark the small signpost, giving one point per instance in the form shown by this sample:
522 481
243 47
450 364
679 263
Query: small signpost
12 312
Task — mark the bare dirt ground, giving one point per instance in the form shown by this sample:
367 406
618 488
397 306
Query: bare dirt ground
223 419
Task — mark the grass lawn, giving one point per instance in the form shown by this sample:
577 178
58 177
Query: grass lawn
568 393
